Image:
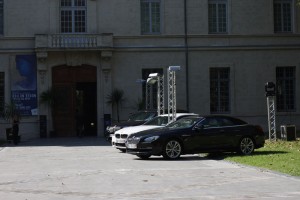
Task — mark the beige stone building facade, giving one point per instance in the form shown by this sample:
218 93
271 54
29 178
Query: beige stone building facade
227 50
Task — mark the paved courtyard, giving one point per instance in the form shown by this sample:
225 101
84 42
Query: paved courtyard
89 169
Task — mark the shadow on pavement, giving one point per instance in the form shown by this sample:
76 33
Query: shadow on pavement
191 157
222 156
66 142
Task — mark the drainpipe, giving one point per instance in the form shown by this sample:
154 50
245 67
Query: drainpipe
186 57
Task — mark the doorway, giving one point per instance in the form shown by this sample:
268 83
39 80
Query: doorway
86 109
75 101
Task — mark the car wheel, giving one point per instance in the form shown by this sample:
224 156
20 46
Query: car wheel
144 157
172 149
246 146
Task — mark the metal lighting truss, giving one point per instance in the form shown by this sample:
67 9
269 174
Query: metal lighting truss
156 78
148 96
160 95
271 118
172 92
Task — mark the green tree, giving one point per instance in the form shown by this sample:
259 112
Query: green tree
116 98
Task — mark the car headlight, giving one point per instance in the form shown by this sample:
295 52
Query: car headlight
133 139
151 139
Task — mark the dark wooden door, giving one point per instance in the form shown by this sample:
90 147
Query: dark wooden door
65 79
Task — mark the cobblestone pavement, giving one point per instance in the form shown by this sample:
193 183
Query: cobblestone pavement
90 169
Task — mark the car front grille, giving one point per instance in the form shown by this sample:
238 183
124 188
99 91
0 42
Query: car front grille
124 136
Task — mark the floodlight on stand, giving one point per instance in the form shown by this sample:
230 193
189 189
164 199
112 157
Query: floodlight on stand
151 81
270 89
159 79
174 68
153 75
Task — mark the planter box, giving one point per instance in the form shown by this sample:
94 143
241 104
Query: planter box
288 132
11 138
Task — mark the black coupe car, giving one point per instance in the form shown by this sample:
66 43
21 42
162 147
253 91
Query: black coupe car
191 135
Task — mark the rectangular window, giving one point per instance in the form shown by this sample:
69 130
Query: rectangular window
286 88
2 87
1 17
73 16
217 16
150 96
150 16
283 15
219 90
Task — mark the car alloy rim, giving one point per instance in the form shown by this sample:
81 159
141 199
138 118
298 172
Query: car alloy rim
247 146
173 149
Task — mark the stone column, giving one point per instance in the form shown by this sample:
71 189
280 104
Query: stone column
105 82
43 85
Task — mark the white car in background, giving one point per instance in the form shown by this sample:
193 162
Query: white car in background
120 136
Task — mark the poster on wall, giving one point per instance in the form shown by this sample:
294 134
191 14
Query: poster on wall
24 85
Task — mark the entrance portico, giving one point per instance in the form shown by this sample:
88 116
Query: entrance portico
79 72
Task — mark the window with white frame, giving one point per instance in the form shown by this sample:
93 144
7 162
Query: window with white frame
286 88
150 16
2 90
1 17
283 16
73 16
219 90
217 16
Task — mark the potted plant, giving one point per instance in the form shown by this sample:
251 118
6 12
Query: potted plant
115 99
11 114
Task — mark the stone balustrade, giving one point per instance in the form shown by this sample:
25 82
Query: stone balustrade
73 41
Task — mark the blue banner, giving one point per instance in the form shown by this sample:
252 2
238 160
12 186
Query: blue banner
24 85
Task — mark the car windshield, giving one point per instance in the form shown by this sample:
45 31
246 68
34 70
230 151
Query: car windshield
184 122
142 116
158 121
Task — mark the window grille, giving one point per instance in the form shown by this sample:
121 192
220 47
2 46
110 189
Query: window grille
283 12
219 90
73 16
2 91
286 88
150 16
1 17
217 16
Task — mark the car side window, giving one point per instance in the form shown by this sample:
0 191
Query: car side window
164 121
211 123
227 122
